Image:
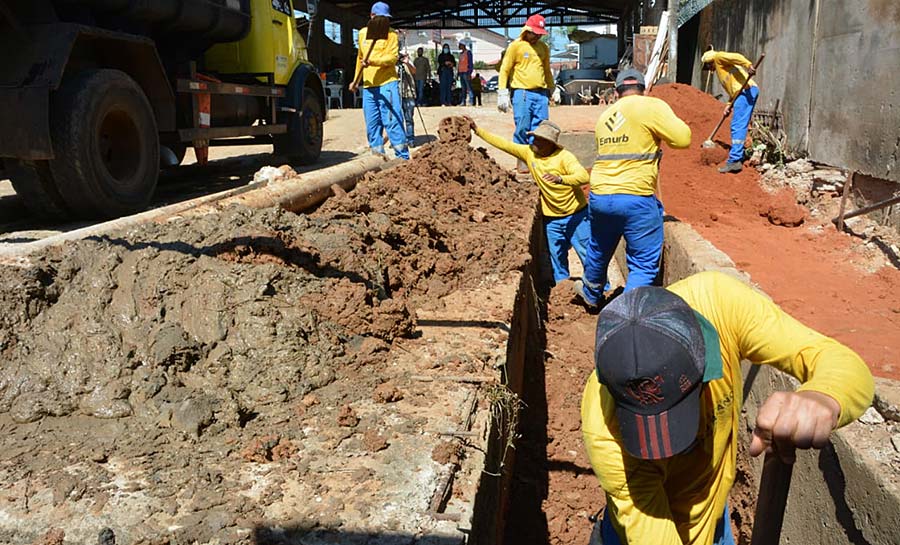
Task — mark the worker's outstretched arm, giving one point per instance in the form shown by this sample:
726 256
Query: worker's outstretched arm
836 388
520 151
388 54
506 66
668 127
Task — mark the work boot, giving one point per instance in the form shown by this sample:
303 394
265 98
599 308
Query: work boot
731 167
578 287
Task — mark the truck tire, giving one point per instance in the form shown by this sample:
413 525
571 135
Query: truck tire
303 141
105 144
33 182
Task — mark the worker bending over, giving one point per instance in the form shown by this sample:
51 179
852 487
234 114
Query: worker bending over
660 413
733 71
559 176
623 186
526 70
382 107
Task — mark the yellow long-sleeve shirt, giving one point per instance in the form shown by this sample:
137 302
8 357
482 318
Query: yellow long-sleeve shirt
557 199
731 69
526 66
628 135
382 62
679 500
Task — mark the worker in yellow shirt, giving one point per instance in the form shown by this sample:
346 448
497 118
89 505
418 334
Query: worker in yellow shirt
559 176
526 71
623 201
382 107
660 412
733 71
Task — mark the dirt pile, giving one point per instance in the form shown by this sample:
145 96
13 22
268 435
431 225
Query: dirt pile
188 350
454 129
813 272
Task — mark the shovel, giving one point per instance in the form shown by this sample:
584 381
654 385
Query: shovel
708 143
377 29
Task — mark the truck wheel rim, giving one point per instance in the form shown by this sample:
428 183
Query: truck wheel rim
119 143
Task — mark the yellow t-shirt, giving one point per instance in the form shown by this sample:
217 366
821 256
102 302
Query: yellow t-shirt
679 500
731 69
526 66
557 200
382 62
628 135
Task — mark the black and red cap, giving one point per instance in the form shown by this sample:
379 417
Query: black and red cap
650 356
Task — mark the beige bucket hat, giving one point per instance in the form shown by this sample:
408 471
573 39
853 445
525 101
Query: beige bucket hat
548 130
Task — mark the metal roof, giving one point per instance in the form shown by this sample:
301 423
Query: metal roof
436 14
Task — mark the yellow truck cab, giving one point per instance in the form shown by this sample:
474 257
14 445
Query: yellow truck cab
106 93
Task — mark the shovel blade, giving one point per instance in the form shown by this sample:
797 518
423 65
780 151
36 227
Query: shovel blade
378 28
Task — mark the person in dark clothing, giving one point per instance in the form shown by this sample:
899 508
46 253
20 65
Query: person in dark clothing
446 64
476 86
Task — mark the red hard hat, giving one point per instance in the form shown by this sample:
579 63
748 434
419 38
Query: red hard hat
535 23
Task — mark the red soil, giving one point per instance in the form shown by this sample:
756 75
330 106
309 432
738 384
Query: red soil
811 275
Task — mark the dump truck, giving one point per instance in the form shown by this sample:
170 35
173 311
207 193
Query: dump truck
96 96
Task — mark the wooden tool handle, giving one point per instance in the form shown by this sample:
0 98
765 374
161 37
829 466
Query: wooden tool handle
359 74
774 487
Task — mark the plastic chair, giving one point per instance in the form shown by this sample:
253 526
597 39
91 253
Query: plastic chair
334 93
357 99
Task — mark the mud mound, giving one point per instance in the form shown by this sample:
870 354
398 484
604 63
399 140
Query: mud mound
444 215
783 210
454 129
713 156
188 350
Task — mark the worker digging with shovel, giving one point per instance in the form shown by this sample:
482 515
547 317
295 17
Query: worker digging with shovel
735 73
376 68
660 413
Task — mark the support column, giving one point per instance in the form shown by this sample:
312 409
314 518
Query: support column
673 41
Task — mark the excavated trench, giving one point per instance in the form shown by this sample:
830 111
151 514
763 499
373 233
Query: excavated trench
339 377
838 494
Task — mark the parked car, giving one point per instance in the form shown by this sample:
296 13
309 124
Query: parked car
491 85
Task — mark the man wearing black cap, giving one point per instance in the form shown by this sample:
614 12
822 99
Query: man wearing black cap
623 200
660 413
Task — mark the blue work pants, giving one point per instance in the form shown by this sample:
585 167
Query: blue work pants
740 122
409 109
530 107
566 232
637 218
446 87
382 110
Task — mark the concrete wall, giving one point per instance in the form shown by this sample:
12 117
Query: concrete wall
831 65
845 494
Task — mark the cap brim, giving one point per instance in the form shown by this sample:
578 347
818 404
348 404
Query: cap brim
653 437
539 31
